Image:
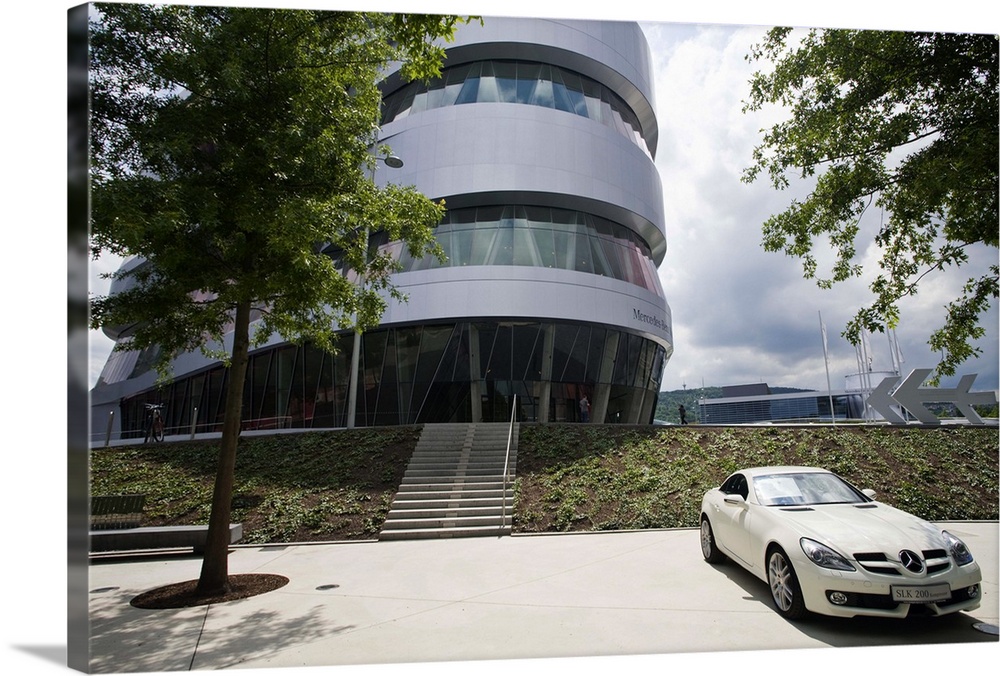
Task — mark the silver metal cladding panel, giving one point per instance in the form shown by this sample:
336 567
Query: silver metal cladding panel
504 292
468 154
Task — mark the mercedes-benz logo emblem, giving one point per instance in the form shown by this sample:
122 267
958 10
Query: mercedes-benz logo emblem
911 561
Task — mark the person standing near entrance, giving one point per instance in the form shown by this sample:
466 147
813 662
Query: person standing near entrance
584 409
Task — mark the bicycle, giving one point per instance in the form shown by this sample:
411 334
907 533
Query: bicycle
155 426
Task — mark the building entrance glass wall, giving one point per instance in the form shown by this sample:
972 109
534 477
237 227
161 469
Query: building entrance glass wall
461 372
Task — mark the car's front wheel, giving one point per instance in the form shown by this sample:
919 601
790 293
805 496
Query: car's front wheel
708 547
785 589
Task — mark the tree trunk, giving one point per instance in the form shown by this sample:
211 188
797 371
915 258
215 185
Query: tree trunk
214 578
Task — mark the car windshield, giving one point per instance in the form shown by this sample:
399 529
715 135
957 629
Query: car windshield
805 488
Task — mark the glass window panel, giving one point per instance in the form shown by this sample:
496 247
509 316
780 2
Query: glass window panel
545 246
435 97
482 244
177 413
197 392
607 117
458 353
449 95
575 369
635 352
260 404
490 213
487 90
446 240
459 217
487 337
419 103
648 274
386 390
524 248
560 95
612 256
390 106
284 367
458 74
583 261
461 248
633 265
563 219
619 124
506 76
214 407
538 215
503 246
565 249
407 352
621 361
527 78
562 346
502 356
470 91
526 352
542 96
595 355
604 226
592 94
601 264
433 341
406 102
574 90
373 353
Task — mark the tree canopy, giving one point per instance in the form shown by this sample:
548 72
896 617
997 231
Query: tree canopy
233 151
230 147
902 122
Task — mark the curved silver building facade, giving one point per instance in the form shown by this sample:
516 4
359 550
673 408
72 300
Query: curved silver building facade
540 137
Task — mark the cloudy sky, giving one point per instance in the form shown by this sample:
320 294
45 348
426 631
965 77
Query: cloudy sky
740 314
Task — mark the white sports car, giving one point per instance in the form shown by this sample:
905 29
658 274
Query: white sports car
824 546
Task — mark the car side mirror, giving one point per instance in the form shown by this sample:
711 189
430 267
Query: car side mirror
735 499
870 493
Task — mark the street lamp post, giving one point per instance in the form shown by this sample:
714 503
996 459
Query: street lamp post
392 162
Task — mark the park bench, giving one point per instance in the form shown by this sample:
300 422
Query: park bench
116 525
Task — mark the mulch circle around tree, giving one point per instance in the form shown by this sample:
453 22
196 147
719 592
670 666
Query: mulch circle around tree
185 594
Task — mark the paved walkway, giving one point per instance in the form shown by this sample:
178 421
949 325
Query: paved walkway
626 593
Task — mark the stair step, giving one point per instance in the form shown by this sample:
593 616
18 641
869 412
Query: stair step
444 522
434 533
477 463
448 500
493 512
452 494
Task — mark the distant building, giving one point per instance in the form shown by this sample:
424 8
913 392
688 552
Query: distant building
743 404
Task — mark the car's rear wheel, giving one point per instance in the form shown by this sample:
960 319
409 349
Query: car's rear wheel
785 589
708 547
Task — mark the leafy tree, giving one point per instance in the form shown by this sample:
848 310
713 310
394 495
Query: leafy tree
902 121
231 148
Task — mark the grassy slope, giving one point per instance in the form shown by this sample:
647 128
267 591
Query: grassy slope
338 485
589 478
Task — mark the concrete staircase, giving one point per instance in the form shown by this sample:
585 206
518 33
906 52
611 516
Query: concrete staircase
453 486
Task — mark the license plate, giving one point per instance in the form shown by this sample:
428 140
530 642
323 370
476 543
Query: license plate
924 594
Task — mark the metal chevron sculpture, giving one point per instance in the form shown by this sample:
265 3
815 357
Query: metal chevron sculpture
910 396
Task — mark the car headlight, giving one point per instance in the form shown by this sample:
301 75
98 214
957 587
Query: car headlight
957 549
823 556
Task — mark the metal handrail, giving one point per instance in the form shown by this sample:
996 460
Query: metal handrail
506 467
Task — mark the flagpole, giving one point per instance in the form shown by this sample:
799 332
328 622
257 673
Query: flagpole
826 362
